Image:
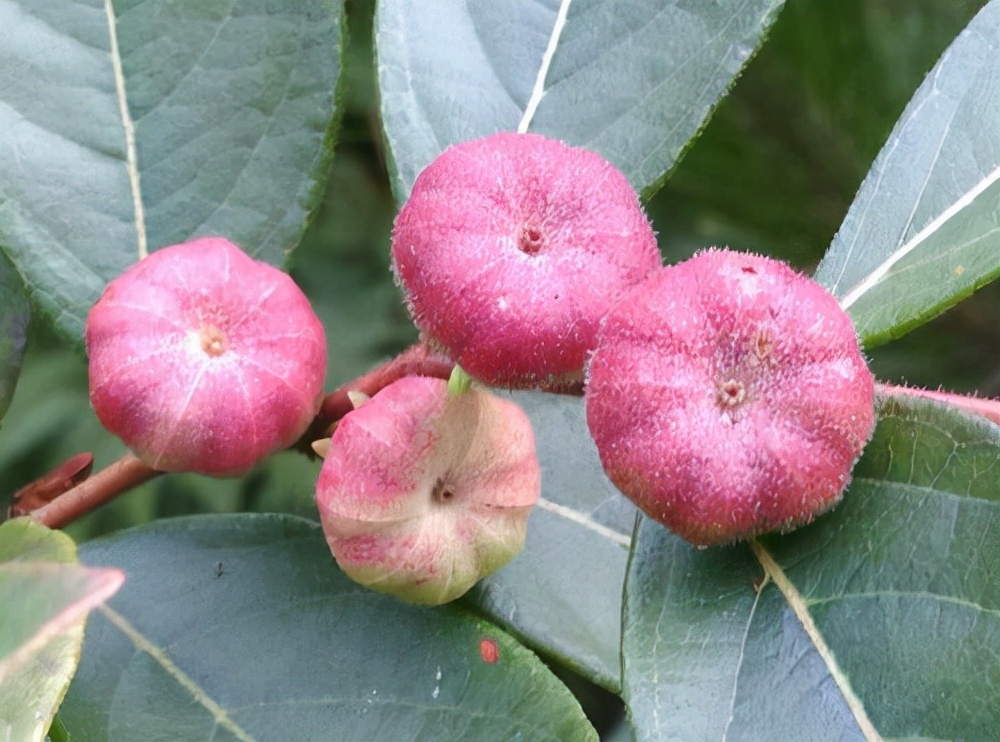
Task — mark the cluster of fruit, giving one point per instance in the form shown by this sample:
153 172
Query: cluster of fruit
727 395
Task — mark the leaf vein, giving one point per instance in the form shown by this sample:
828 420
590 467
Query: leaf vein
143 644
585 521
739 661
543 71
131 154
799 607
918 239
915 594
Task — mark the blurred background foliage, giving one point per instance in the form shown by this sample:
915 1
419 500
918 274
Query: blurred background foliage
774 172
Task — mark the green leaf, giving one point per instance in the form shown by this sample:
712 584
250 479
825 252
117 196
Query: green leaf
782 158
241 627
882 615
562 594
342 265
128 126
14 316
46 597
924 230
27 541
633 83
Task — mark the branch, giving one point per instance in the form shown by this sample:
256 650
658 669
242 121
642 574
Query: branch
120 477
417 360
49 486
66 493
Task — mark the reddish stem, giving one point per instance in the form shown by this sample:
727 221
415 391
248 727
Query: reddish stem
988 408
72 493
49 486
417 360
66 493
121 476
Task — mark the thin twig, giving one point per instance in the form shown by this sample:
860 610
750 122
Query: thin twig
417 360
62 495
50 486
116 479
70 497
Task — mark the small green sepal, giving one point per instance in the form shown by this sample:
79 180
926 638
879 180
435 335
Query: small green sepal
459 382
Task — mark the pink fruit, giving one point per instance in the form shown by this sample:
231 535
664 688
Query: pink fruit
204 359
728 397
511 248
423 493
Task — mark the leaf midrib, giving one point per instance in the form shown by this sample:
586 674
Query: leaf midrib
882 269
131 155
543 70
800 608
140 642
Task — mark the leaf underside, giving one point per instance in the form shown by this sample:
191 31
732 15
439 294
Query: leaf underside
924 230
46 596
14 316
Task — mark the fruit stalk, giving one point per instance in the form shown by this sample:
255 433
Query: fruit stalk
982 406
128 472
417 360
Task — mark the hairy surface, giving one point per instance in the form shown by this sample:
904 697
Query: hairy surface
204 359
423 493
511 248
728 396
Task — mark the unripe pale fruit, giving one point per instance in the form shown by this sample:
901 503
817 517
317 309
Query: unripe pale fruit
423 493
511 248
203 359
728 397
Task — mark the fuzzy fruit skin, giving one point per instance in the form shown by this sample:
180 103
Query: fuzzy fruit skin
423 493
728 397
511 248
203 359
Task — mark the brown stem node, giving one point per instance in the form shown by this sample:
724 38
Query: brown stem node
121 476
50 486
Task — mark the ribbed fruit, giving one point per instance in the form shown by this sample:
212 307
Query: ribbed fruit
423 493
511 248
203 359
728 396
